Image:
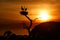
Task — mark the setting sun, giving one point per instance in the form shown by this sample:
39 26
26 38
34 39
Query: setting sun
44 15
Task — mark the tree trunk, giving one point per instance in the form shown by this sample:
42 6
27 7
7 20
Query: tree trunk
29 25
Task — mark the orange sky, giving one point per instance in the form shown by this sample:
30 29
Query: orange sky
9 9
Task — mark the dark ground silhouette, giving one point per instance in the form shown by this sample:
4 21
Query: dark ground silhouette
45 30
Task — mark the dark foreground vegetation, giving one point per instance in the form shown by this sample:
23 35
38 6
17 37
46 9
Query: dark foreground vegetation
47 30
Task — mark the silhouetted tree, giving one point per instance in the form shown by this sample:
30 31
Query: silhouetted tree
7 34
25 13
12 37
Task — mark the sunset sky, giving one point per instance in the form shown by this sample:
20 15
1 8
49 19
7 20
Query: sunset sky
10 9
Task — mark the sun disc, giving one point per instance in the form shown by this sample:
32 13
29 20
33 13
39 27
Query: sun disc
44 15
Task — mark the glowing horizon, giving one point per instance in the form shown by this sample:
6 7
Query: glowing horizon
44 15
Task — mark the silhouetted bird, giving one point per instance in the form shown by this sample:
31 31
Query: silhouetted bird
25 9
22 8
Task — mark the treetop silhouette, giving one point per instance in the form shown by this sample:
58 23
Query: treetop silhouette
25 13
